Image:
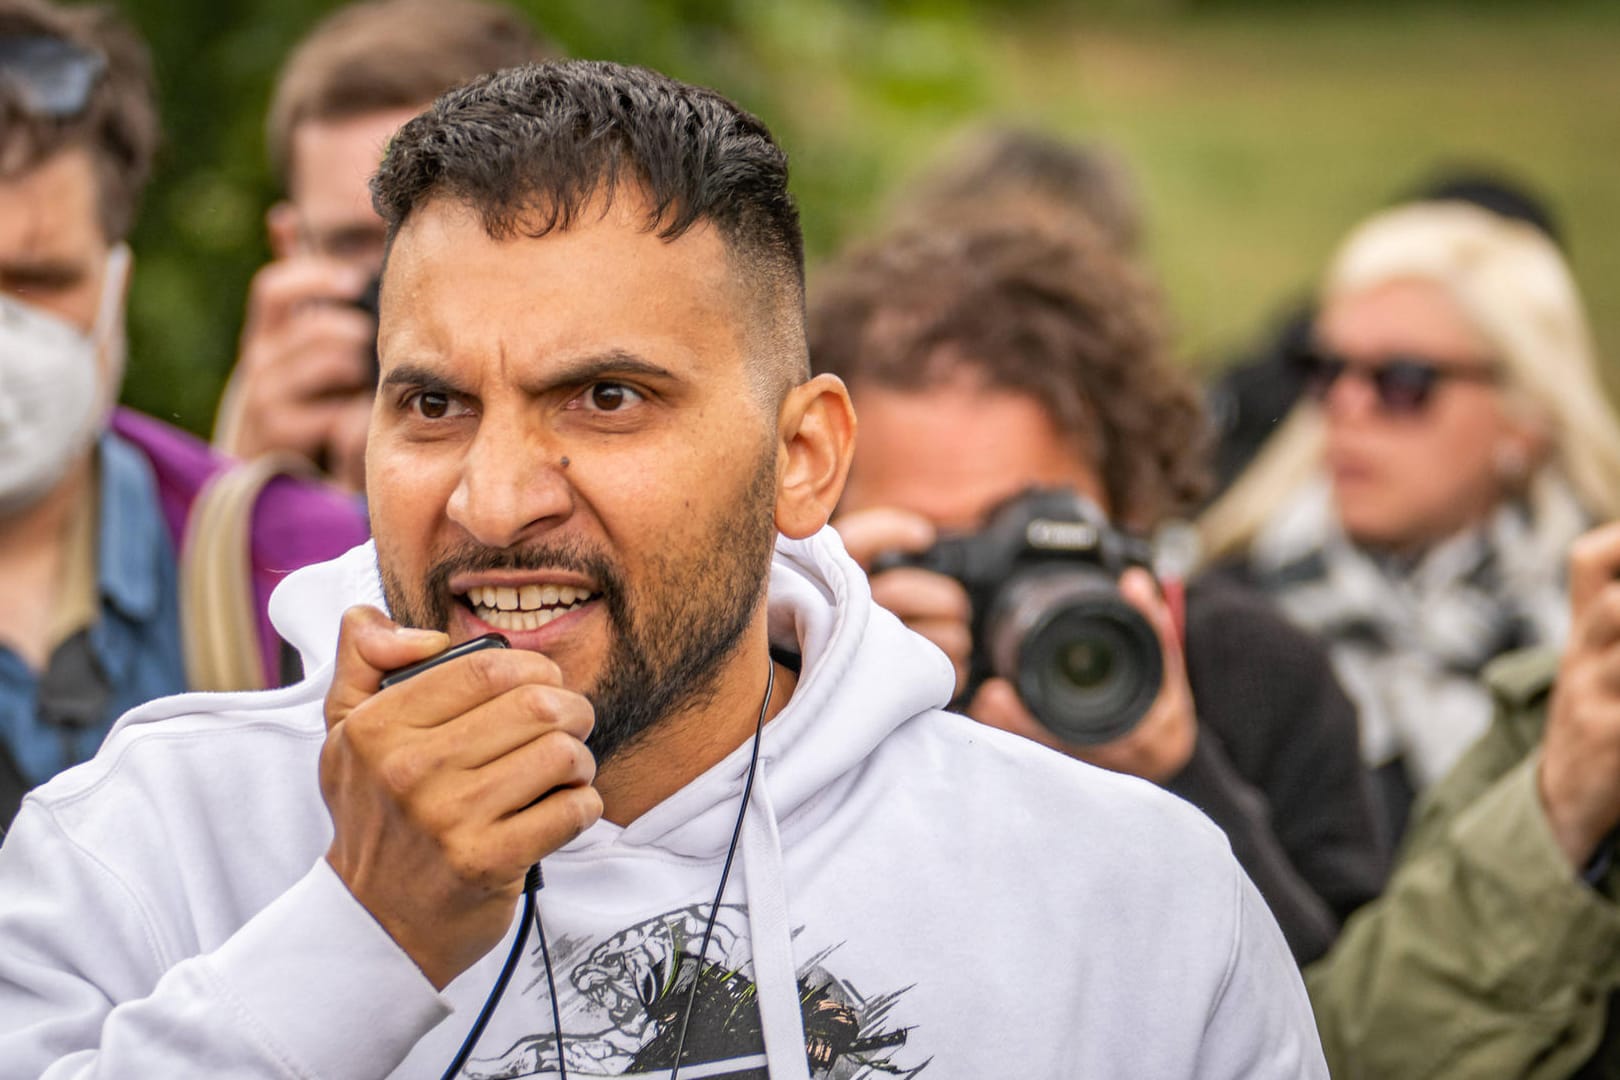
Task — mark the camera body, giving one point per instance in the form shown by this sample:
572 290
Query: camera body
367 303
1048 614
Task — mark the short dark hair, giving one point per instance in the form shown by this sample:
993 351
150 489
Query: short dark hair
1059 315
530 148
392 54
118 124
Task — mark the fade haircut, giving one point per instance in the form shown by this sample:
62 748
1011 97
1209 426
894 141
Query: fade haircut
118 125
534 148
1058 315
380 55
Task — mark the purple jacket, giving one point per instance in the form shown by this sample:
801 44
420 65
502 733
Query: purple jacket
295 522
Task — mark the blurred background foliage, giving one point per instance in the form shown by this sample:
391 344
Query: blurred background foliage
1259 132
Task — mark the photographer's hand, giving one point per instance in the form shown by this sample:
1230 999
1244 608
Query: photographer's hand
302 382
1579 773
445 790
933 605
1160 746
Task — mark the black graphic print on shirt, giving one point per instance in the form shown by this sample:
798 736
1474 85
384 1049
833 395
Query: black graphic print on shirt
622 1001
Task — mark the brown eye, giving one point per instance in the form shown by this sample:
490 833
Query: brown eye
610 397
433 406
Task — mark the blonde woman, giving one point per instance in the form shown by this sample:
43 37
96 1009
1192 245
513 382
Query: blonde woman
1416 508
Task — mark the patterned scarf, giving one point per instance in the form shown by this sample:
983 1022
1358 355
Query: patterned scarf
1408 638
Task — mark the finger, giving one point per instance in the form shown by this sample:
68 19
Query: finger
371 644
528 774
536 831
1594 562
317 348
516 718
452 689
1598 625
921 594
870 533
305 427
287 285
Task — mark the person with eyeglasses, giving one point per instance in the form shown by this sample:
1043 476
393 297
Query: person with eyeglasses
1416 508
306 370
112 589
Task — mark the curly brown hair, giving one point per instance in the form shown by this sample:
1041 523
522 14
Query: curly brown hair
1055 314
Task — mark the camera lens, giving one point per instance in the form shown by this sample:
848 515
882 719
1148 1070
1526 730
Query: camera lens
1086 663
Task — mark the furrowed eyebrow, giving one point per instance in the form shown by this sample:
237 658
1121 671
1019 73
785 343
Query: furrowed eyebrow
603 366
420 377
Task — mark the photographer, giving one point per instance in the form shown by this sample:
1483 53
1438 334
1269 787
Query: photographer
597 435
988 359
304 380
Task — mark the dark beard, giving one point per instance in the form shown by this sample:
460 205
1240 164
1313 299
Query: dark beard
668 639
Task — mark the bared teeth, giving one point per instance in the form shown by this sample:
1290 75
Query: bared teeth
526 607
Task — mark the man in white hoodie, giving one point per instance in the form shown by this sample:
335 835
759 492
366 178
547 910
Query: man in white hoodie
594 425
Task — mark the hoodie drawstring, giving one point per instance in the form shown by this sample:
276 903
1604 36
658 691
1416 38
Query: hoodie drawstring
775 976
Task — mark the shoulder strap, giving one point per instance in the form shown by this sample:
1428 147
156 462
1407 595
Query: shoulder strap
219 615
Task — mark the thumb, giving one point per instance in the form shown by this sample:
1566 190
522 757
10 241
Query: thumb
370 645
1594 561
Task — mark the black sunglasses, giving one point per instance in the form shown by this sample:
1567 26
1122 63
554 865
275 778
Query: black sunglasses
49 77
1404 385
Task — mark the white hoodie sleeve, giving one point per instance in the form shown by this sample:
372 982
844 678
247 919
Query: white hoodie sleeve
311 986
1260 1026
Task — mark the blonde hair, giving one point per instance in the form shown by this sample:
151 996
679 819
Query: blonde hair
1514 287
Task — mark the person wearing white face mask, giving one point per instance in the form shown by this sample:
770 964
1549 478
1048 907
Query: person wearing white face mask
111 585
54 381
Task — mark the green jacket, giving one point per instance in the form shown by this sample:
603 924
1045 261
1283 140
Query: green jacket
1486 956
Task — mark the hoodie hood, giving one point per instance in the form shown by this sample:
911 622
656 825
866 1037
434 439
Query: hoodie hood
819 606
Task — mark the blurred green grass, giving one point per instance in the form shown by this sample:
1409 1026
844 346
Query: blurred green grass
1259 134
1259 137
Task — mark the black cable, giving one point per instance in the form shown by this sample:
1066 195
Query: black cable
725 872
531 885
533 882
551 988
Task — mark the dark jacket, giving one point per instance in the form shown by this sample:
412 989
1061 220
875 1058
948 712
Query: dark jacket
1278 763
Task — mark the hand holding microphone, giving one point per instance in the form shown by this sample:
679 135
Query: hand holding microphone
445 789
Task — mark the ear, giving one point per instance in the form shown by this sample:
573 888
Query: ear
285 229
1521 448
1530 434
816 433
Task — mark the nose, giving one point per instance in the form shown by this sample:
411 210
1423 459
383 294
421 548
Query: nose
511 485
1352 396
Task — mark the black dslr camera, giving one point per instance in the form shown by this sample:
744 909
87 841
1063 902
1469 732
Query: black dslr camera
1048 614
